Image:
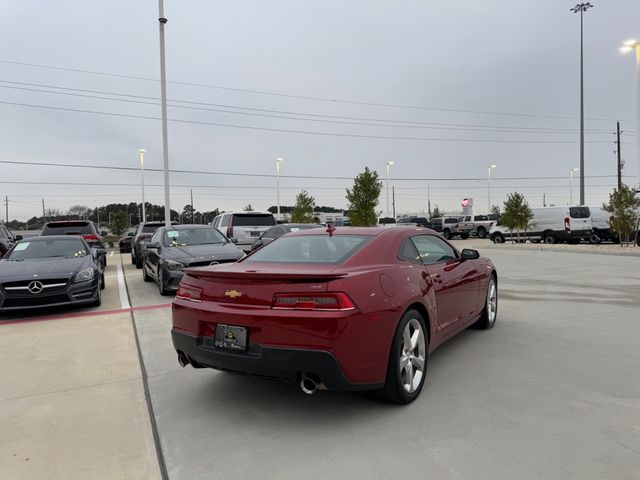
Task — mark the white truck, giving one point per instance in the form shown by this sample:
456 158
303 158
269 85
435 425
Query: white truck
475 225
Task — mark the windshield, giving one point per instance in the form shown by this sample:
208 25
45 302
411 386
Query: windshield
192 236
310 249
69 248
253 220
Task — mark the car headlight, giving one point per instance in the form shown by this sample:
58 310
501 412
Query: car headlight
173 266
84 275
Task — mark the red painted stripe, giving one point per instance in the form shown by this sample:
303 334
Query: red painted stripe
84 314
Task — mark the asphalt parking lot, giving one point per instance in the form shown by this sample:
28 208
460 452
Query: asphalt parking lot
551 392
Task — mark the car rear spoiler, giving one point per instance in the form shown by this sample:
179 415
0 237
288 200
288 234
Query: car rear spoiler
262 275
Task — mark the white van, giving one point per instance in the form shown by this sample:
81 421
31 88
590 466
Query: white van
550 225
601 222
243 228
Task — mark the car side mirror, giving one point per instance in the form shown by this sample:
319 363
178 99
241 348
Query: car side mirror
18 237
470 254
153 246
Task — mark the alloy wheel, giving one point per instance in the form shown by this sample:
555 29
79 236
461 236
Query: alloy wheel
412 356
492 302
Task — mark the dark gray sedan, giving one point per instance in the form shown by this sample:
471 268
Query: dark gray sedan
50 271
171 249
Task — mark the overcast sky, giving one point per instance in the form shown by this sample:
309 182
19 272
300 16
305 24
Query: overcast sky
451 59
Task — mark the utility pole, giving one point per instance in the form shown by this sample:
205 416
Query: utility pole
544 199
44 217
165 135
6 207
619 157
393 192
193 213
429 200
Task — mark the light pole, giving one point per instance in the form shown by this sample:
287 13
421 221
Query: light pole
628 46
571 184
581 7
110 227
163 94
388 171
489 168
144 212
278 160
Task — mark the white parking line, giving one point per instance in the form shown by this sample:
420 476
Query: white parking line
124 299
111 254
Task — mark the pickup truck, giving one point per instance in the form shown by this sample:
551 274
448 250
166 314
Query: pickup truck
449 227
476 225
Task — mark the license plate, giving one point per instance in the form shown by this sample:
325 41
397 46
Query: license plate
230 337
255 234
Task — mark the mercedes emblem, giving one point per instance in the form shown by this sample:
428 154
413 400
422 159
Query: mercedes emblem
35 287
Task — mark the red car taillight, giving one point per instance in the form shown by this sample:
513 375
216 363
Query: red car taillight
187 292
91 238
567 224
320 301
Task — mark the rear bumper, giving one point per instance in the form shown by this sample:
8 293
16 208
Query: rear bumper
281 364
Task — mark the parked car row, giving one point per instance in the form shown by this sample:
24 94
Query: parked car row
63 266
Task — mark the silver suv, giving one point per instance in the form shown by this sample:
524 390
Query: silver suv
243 228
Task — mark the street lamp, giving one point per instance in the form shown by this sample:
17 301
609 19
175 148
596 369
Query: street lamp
489 168
571 184
388 170
581 7
163 101
628 46
278 160
141 152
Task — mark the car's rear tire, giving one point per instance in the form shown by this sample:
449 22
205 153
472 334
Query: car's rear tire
550 238
482 232
490 312
498 238
407 366
133 259
447 234
138 262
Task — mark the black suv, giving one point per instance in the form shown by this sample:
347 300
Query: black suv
144 231
84 228
7 239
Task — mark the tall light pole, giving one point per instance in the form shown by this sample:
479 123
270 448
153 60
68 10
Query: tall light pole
165 139
278 161
388 172
144 212
628 46
571 184
581 7
489 168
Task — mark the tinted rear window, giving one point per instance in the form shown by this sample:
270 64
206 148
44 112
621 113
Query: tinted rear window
150 228
450 220
310 249
256 220
579 212
68 228
386 220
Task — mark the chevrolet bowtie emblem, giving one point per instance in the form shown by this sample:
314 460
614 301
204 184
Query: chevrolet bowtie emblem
232 294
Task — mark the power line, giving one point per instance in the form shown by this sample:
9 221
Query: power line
283 114
299 97
302 132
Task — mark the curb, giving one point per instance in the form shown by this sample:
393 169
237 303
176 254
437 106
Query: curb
634 253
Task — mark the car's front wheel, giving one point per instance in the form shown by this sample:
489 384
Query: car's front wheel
482 232
498 238
407 366
161 288
488 318
145 276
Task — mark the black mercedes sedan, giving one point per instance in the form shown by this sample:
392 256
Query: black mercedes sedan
50 271
171 249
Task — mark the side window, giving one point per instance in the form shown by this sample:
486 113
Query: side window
216 222
155 237
224 221
408 252
269 233
3 234
278 232
433 249
450 220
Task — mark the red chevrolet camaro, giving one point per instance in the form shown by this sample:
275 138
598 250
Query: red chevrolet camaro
342 309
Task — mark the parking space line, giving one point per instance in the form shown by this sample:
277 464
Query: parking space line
111 254
67 316
122 288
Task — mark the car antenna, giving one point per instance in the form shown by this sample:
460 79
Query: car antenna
331 229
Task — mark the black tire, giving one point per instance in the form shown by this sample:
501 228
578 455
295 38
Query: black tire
464 236
138 262
447 234
488 320
394 389
482 232
145 276
498 238
98 301
102 284
549 238
163 291
133 259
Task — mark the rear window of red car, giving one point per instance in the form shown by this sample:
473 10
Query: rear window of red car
310 249
68 228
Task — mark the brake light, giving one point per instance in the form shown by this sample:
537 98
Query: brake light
567 224
91 238
320 301
188 292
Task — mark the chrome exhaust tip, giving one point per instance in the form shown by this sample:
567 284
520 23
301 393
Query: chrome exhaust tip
183 360
310 384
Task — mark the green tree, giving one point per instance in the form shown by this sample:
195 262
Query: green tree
248 208
303 210
495 209
517 213
119 222
436 213
363 198
624 207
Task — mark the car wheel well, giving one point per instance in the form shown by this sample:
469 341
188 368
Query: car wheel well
419 307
